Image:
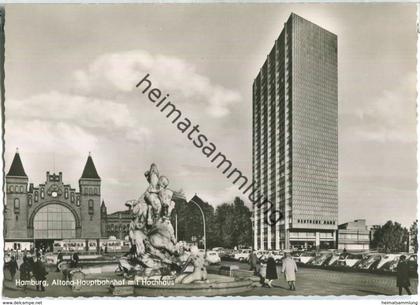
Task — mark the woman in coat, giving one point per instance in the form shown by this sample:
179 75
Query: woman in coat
403 276
271 273
25 272
289 268
13 267
40 273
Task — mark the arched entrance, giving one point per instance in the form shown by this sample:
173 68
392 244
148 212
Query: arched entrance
54 221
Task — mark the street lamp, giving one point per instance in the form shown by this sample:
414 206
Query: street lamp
204 224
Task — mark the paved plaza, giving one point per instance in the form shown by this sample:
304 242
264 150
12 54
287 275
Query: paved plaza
327 282
309 282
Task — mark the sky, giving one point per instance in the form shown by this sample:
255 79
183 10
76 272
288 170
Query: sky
70 82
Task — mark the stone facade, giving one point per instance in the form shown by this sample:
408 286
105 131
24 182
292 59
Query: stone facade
53 209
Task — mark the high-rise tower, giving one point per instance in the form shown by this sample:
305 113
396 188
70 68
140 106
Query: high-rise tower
295 145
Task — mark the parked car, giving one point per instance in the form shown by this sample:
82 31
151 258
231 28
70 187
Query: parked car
387 260
369 262
243 255
222 252
213 258
412 263
306 257
321 259
277 255
331 261
348 260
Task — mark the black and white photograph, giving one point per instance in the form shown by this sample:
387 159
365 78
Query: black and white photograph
256 150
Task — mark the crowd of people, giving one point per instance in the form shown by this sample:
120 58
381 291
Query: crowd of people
267 271
30 265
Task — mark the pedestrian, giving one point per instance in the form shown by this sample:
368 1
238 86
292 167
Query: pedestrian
262 273
271 273
40 273
75 260
13 267
25 272
289 268
403 276
253 261
59 259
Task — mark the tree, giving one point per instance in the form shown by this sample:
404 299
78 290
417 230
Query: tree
224 221
190 221
227 226
413 236
391 237
234 226
242 223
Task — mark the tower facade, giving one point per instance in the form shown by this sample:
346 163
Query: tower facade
90 200
295 145
16 210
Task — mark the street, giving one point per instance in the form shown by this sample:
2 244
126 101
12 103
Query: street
309 282
326 282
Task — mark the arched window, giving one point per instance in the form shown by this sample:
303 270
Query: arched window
17 204
36 196
11 189
90 206
21 188
42 193
78 201
66 193
54 221
30 201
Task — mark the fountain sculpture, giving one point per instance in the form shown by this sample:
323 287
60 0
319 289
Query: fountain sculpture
154 248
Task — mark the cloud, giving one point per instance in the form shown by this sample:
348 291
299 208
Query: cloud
78 113
389 117
122 71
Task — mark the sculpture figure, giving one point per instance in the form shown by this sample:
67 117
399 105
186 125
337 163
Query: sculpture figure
151 195
199 273
165 196
154 248
137 228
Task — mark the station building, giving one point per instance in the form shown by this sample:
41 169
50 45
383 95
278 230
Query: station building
38 215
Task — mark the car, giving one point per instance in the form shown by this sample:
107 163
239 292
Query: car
348 260
277 255
306 257
387 260
321 259
213 258
243 255
331 261
223 253
369 262
390 262
412 263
